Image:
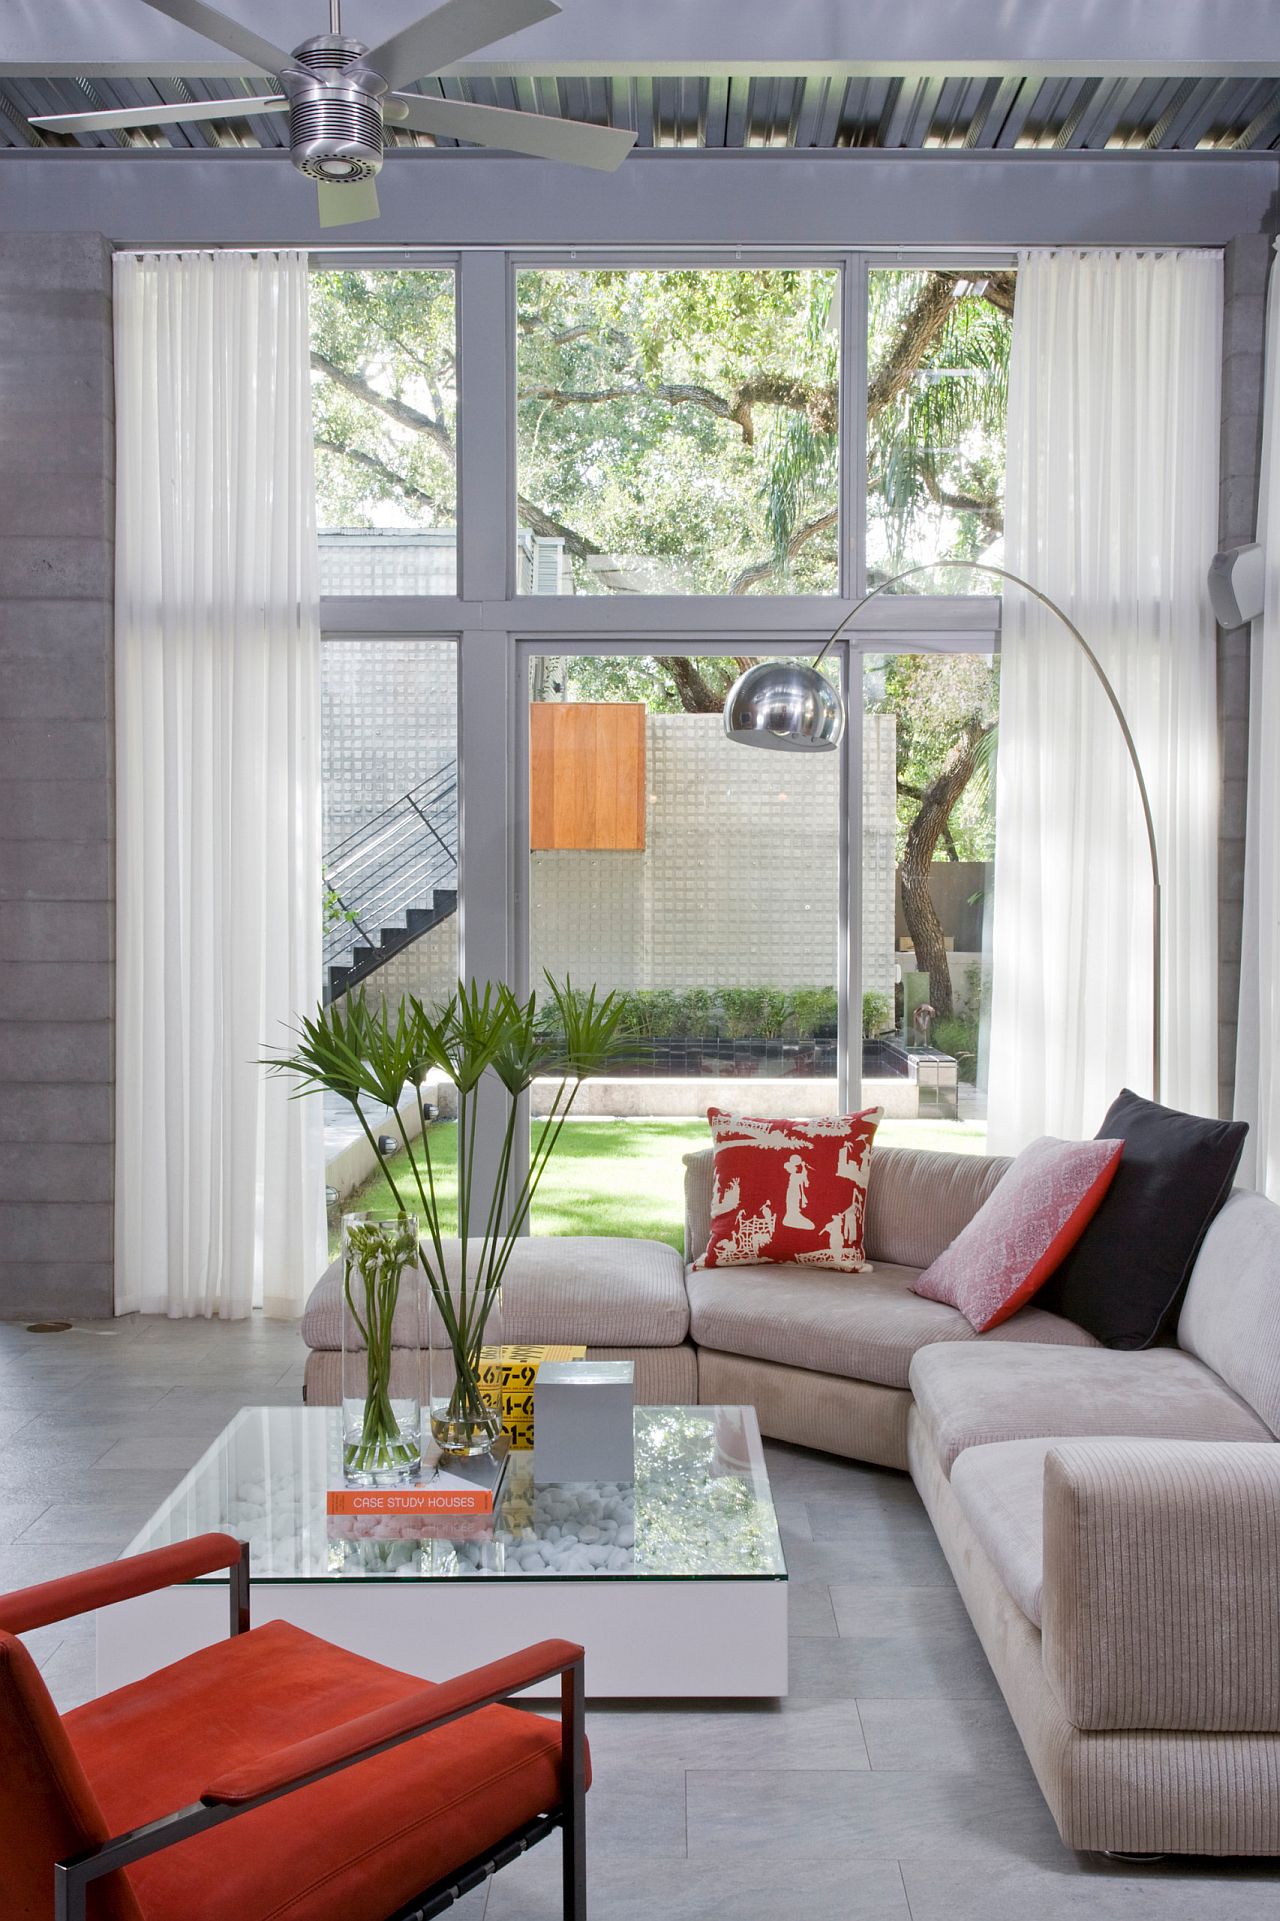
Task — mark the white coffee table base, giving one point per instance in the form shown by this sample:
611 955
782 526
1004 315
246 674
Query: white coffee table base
645 1640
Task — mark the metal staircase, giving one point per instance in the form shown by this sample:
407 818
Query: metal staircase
391 881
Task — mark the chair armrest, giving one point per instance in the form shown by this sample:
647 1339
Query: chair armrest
370 1734
97 1587
353 1741
1162 1584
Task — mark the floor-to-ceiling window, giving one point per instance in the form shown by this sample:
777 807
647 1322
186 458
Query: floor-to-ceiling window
603 486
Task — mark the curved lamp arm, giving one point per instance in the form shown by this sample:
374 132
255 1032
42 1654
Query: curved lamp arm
1003 573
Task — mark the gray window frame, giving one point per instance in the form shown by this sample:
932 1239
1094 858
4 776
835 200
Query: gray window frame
497 631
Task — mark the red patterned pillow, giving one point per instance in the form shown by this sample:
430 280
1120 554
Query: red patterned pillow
789 1190
1024 1229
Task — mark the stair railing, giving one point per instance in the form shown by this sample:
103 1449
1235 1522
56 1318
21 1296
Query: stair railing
389 868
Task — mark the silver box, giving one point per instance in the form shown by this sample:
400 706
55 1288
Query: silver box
582 1421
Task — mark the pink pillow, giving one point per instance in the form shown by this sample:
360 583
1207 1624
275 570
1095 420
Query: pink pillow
1024 1229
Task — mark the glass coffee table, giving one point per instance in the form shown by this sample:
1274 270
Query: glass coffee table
675 1584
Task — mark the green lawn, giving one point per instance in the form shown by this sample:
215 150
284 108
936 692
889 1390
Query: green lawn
625 1177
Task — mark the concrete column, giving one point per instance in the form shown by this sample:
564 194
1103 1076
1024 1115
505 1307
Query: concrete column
56 860
1246 264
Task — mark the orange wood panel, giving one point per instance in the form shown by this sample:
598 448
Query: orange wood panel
587 767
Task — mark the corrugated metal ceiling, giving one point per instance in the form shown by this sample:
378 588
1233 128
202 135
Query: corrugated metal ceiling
1028 111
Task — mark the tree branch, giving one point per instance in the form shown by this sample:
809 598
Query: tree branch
989 511
693 690
759 570
921 326
398 410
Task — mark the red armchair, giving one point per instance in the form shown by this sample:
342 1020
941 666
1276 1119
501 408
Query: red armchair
273 1777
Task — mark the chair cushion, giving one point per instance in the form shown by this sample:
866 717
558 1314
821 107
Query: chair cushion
967 1396
354 1847
602 1290
1000 1489
865 1326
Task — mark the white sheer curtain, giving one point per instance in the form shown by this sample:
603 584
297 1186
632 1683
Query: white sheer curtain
1111 508
1257 1077
219 1176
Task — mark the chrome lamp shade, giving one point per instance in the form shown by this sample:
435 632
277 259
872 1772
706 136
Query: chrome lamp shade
786 705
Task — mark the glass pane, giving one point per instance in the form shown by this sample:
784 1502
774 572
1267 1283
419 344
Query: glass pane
699 879
700 1508
389 749
937 362
928 826
384 402
677 431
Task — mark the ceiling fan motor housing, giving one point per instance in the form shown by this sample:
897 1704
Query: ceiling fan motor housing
335 110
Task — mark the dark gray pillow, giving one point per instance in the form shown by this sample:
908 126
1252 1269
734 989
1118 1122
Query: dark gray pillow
1125 1276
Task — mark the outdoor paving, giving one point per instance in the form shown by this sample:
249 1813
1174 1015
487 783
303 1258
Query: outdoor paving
889 1786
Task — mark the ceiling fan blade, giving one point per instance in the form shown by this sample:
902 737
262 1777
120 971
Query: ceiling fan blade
181 110
225 32
343 203
534 133
452 32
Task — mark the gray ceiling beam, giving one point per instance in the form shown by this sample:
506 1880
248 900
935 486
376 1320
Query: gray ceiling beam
1100 37
846 198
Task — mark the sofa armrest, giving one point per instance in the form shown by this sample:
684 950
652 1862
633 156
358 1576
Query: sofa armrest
1162 1584
698 1168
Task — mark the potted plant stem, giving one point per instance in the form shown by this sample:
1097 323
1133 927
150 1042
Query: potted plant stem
482 1034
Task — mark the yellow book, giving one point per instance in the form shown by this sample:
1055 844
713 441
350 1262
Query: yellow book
513 1371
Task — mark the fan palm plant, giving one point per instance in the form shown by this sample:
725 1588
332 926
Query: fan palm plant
482 1033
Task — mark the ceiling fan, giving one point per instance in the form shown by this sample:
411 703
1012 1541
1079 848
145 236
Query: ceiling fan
340 95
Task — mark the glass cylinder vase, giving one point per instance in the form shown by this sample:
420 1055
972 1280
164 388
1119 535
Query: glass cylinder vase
381 1350
466 1365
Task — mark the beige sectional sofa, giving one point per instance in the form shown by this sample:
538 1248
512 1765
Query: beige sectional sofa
1112 1519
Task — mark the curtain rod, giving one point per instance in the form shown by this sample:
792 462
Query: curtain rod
978 256
719 248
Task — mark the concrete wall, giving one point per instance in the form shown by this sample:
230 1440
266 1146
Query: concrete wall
56 825
1246 267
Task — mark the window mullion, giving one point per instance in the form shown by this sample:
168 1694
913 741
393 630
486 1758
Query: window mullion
486 428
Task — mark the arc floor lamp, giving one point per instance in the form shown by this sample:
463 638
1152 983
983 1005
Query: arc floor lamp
791 707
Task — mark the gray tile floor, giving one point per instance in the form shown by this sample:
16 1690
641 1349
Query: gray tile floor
889 1786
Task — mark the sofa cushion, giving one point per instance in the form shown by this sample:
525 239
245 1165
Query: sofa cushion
917 1201
865 1326
1231 1317
983 1392
604 1291
1023 1229
1124 1278
789 1190
1000 1490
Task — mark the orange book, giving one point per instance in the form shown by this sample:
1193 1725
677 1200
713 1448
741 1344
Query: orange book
461 1487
